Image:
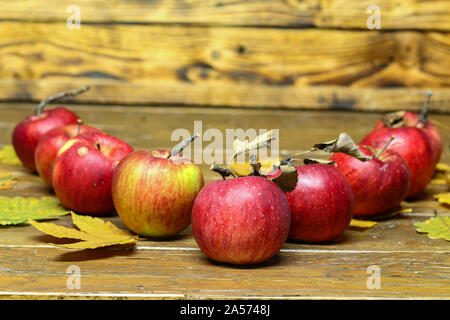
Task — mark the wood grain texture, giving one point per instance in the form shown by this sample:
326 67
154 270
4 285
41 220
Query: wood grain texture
342 14
135 64
188 274
412 265
152 127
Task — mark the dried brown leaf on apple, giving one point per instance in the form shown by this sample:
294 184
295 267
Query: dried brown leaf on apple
343 143
287 179
393 119
322 161
261 141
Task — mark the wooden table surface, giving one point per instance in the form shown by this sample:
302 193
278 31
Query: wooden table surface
411 264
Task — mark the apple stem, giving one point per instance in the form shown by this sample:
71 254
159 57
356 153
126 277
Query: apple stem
224 172
56 97
79 123
423 118
97 145
255 165
180 146
384 148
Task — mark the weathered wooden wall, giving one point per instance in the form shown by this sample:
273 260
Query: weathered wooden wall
291 54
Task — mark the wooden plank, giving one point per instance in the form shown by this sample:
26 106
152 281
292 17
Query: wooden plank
187 274
135 64
152 127
229 95
342 14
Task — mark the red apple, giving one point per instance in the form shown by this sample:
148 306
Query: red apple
154 194
414 146
411 119
83 171
378 185
27 133
245 220
321 204
49 145
429 129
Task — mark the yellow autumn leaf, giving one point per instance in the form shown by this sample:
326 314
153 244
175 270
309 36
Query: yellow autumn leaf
442 175
7 181
244 169
442 167
361 224
439 181
8 156
93 233
436 227
443 197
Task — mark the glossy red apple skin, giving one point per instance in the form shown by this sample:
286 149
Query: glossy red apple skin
82 174
379 184
29 131
49 145
244 220
411 119
414 146
154 195
321 204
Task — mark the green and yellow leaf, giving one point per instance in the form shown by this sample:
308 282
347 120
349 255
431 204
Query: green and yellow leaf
436 227
18 210
443 197
93 233
8 156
